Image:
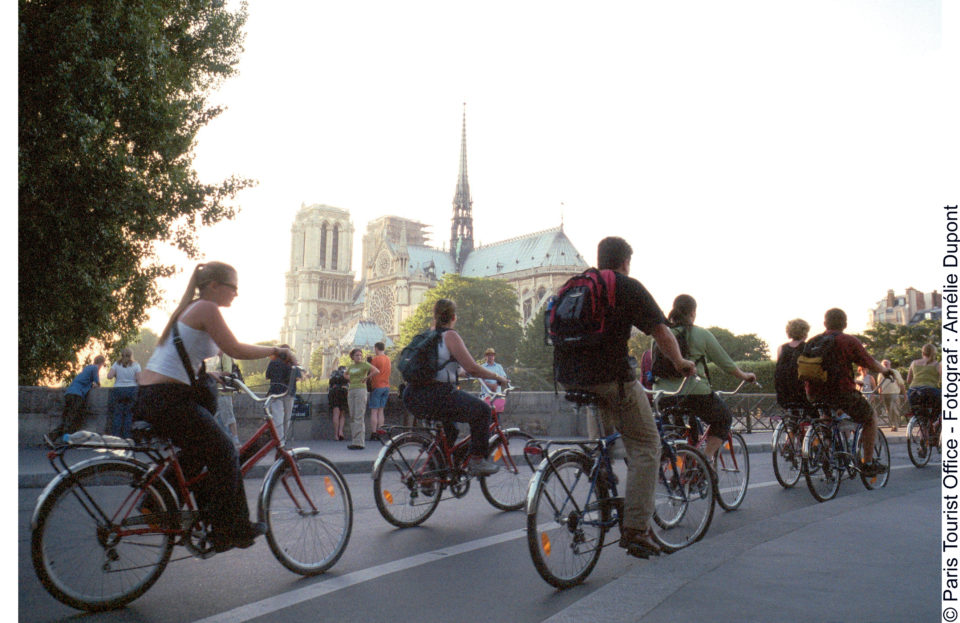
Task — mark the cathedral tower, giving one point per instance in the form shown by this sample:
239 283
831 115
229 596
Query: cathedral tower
461 230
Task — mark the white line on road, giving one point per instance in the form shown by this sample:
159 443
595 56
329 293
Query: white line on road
292 598
279 602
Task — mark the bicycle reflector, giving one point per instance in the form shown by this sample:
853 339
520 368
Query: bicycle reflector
329 483
498 454
545 543
388 497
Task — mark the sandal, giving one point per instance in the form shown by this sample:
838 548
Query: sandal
639 543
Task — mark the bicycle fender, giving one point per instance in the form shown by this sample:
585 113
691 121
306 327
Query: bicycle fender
807 440
45 493
506 432
386 447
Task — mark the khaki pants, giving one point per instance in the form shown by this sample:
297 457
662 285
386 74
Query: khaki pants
893 406
357 403
632 416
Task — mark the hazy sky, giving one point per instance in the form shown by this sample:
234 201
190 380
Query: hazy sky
773 159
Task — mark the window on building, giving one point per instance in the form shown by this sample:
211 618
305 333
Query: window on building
323 246
335 243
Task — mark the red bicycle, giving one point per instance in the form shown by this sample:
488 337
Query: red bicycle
104 529
923 431
417 464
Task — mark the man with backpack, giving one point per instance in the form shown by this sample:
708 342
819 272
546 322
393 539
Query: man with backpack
825 367
603 366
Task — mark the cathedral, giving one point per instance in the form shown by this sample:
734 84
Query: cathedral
328 308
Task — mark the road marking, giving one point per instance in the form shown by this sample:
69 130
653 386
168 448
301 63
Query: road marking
292 598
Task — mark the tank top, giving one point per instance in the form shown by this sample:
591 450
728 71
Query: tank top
925 376
166 361
447 364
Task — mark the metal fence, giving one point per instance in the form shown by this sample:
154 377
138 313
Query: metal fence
760 412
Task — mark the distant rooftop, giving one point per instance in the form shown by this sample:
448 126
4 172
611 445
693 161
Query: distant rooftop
546 248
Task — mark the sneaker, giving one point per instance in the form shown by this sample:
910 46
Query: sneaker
479 466
874 468
354 446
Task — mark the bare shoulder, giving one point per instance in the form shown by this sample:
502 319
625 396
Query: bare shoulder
200 314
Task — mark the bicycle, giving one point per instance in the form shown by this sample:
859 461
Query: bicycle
923 431
832 447
417 464
573 500
732 463
787 444
104 529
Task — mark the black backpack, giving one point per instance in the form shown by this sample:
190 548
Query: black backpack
578 314
663 368
819 362
786 381
418 361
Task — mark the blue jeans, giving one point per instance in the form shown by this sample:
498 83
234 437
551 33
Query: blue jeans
924 400
121 401
446 403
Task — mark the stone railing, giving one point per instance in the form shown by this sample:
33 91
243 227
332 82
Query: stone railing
539 413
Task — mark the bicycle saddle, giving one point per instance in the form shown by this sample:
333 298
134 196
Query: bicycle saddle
580 397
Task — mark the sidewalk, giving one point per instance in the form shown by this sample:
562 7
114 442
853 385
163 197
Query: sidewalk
34 470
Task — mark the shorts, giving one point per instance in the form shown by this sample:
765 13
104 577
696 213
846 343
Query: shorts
853 404
378 398
708 407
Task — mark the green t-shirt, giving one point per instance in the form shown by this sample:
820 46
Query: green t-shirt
358 373
700 343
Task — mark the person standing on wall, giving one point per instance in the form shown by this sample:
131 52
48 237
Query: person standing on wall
357 373
126 371
74 398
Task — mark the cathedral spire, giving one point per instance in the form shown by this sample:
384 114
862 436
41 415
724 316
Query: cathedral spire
461 230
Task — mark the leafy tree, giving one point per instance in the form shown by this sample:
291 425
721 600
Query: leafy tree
534 369
487 315
251 367
111 97
899 343
142 346
747 347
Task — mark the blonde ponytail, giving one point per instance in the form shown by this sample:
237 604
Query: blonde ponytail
202 275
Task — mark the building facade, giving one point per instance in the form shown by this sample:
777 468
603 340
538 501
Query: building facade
909 308
327 304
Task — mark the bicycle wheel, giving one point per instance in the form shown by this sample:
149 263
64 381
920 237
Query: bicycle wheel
507 489
684 498
918 447
89 551
787 455
733 472
881 453
309 514
564 530
408 481
823 473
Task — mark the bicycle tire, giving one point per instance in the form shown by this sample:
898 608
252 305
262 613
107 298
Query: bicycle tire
407 482
507 489
81 561
823 474
684 498
307 536
563 546
881 453
733 472
918 442
787 455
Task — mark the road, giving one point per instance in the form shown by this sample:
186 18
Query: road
867 555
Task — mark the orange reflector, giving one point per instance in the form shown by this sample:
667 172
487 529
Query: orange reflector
388 497
545 543
679 462
330 490
498 454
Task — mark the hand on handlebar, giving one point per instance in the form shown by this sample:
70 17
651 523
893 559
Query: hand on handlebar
687 367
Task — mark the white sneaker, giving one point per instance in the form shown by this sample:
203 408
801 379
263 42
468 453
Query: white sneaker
478 466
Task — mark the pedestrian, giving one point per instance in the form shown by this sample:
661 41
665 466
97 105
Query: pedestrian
74 398
892 393
126 371
380 384
489 386
282 376
225 416
337 400
358 373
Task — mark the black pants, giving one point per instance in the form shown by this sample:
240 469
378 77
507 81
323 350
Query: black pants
444 402
707 407
172 411
72 418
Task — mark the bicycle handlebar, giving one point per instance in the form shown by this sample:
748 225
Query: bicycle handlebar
657 394
232 381
739 387
501 393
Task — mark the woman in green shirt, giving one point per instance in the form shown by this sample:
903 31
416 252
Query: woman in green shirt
358 372
924 380
698 397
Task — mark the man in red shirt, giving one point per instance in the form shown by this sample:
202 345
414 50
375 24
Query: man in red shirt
380 389
840 392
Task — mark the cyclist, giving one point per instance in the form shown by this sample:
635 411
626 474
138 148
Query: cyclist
441 400
923 377
840 392
698 397
168 402
607 372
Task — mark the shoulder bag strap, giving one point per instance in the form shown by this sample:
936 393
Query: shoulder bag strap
182 351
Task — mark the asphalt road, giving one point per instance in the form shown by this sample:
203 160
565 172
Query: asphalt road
865 556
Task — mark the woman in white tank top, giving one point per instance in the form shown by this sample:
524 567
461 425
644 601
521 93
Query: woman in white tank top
167 401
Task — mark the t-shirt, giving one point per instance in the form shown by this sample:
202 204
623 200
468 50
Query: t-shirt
126 376
278 373
358 373
890 385
85 380
700 344
497 369
633 307
849 351
382 363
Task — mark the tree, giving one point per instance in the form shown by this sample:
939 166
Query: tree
487 315
251 367
534 369
111 97
898 343
142 346
747 347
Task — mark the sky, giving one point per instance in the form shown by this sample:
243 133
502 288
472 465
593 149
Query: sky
772 159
